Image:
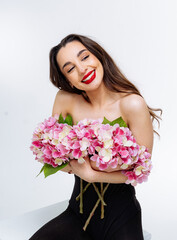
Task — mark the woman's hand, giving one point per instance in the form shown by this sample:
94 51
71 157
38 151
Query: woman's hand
83 170
67 169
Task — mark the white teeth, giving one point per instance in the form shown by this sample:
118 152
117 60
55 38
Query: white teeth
88 77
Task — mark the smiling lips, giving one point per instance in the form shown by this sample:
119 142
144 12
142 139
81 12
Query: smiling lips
89 77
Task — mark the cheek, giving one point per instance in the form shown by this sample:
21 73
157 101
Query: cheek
98 64
67 78
73 77
101 69
95 61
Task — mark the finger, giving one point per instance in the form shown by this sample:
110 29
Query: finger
71 162
74 163
87 159
70 172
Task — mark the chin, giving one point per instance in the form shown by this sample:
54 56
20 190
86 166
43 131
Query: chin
94 87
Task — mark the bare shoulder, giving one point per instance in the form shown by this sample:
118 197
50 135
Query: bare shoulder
133 103
134 109
63 102
63 95
137 115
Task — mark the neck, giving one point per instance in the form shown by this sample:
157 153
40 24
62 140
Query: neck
102 97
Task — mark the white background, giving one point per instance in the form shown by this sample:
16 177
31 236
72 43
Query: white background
141 36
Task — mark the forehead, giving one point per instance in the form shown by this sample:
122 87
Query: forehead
69 52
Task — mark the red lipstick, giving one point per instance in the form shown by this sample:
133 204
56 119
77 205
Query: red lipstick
87 75
92 77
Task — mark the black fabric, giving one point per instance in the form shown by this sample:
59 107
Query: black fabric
65 226
131 230
122 216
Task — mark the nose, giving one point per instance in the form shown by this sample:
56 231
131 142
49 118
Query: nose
82 68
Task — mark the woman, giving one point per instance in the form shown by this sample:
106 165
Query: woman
92 86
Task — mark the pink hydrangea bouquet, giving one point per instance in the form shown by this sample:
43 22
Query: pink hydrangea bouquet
56 141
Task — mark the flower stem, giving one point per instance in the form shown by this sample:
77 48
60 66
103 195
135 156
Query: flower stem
91 214
81 195
93 210
77 198
99 195
102 206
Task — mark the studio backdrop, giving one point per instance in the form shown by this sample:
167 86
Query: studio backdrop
141 37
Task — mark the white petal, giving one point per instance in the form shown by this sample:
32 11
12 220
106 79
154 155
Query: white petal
124 166
127 143
81 160
58 161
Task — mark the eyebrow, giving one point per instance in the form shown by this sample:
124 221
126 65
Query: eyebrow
79 53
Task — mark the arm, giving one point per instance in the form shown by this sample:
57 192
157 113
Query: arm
139 122
86 172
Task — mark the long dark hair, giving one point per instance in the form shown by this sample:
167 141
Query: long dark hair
113 78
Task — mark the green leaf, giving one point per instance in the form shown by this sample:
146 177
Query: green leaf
120 121
61 119
49 169
42 169
106 121
68 120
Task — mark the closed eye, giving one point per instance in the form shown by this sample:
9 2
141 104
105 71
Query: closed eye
73 67
70 70
85 57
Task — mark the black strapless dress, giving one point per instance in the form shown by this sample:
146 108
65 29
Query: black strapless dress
122 216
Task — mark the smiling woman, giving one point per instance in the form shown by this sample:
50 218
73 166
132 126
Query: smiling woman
92 86
82 68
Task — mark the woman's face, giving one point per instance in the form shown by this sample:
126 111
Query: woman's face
81 68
